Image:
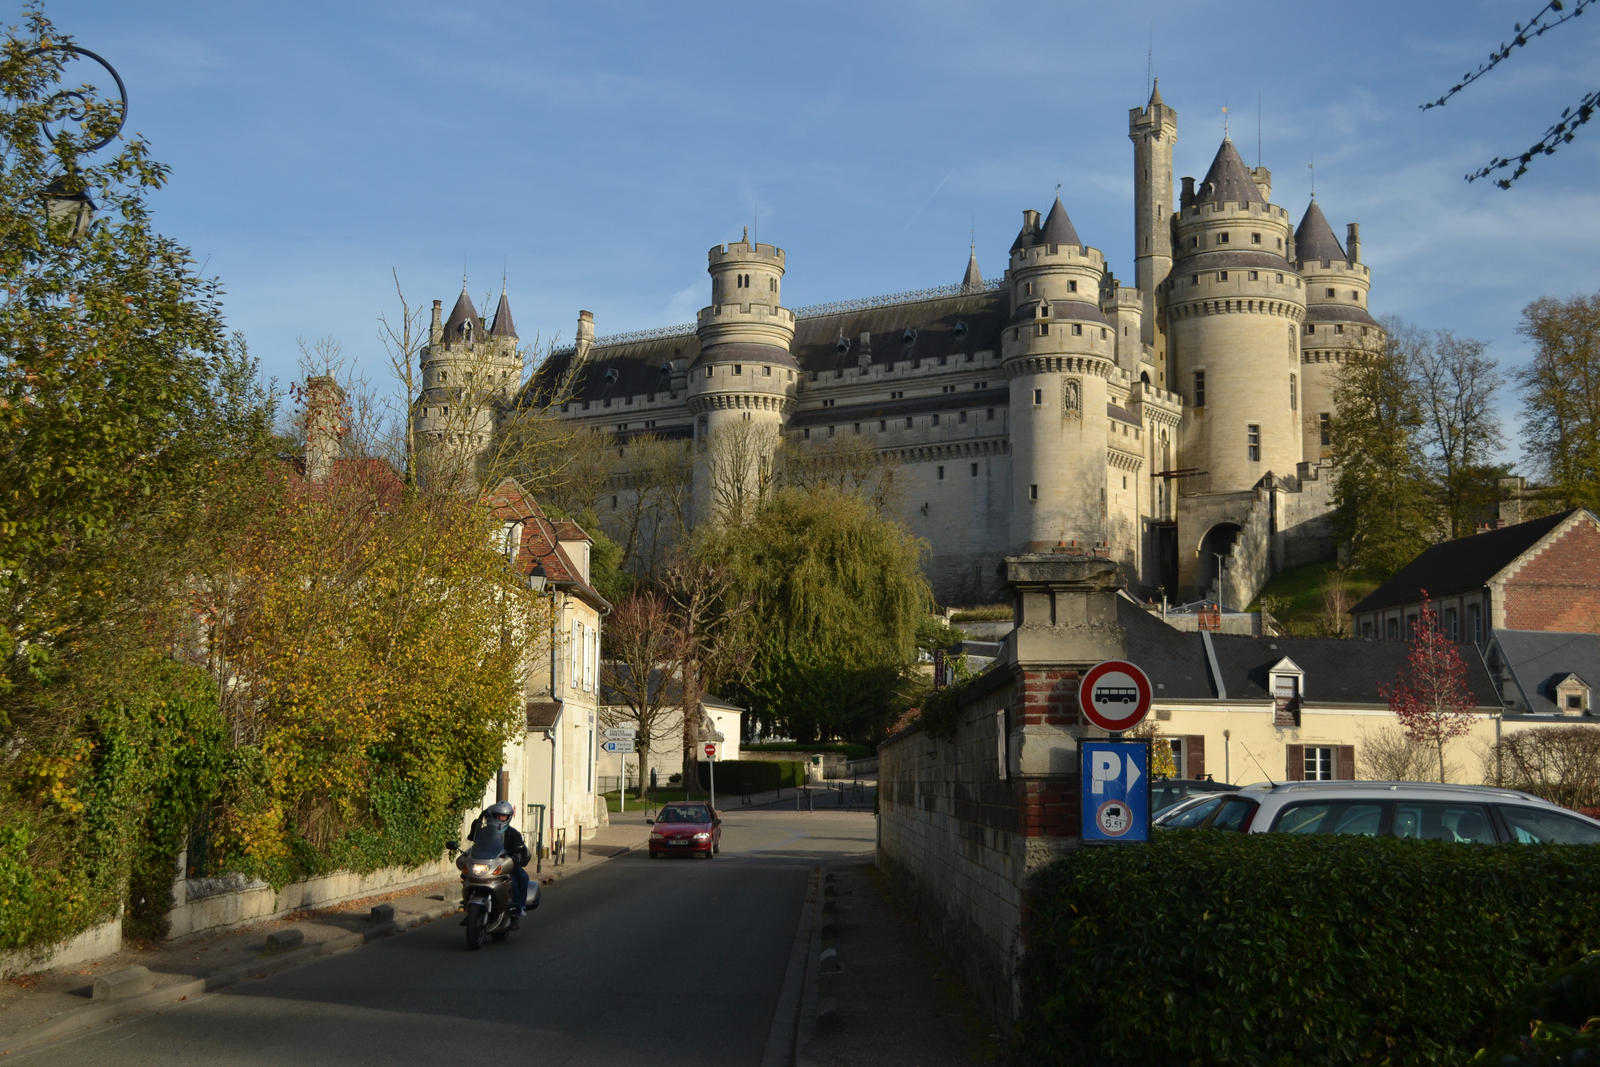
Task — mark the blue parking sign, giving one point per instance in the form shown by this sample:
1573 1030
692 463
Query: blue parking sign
1114 790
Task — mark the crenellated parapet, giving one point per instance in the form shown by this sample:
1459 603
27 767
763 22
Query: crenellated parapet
774 403
1213 305
1058 363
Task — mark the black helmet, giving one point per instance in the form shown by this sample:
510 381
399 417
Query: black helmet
503 810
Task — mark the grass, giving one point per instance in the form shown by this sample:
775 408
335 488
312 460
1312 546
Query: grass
986 613
1298 596
657 797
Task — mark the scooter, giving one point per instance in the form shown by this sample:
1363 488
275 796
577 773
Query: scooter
486 870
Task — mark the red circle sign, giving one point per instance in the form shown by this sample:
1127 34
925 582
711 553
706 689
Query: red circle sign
711 750
1114 695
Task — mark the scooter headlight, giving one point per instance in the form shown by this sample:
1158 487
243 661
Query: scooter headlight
485 868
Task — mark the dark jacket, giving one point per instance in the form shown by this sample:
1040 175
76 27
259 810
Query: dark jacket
516 847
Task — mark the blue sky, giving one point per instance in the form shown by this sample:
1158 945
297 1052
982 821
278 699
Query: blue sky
593 151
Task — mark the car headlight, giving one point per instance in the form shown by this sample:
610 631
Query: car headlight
702 837
657 836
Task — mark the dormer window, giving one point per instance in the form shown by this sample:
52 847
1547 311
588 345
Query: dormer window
1572 696
1287 681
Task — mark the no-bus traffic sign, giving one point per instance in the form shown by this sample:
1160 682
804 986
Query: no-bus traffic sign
1114 695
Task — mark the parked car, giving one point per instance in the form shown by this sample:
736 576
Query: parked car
1165 792
686 827
1421 810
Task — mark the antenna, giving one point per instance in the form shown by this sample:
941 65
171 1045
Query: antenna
1257 762
756 228
1258 127
1312 167
1224 122
1150 60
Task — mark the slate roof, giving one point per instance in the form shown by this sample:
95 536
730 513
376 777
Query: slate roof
1314 238
1339 313
973 277
1337 670
1228 181
1538 660
503 326
542 714
1460 566
463 312
1058 229
943 326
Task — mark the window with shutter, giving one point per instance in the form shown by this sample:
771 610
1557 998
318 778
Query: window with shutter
1194 750
1294 763
1345 763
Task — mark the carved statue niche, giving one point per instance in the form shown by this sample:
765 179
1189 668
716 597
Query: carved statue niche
1071 402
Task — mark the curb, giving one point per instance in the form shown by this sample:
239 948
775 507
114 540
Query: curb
92 1015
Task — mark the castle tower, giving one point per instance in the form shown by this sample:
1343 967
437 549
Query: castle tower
469 375
742 385
1234 305
1337 324
1057 351
1153 129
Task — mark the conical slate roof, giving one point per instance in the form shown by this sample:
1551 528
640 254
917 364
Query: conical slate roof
461 315
1228 181
972 279
1058 228
1315 240
503 326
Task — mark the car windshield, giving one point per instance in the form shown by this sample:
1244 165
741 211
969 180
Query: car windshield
680 814
490 841
1192 816
1533 826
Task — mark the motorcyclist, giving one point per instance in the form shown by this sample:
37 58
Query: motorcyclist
500 814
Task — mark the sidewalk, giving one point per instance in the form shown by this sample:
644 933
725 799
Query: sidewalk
49 1005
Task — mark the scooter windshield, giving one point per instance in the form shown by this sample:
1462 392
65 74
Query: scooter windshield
489 842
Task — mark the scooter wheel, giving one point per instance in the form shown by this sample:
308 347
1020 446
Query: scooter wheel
474 927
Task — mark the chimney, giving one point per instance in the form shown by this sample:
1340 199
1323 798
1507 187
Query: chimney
1263 179
1352 242
585 337
864 349
324 426
1030 221
436 329
1186 197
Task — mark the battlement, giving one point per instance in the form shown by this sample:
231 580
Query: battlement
1044 256
1234 208
710 315
739 252
1333 266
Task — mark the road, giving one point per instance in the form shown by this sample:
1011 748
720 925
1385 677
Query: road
676 961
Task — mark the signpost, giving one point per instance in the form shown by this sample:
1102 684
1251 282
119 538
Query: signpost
1114 695
711 759
621 740
619 746
1114 791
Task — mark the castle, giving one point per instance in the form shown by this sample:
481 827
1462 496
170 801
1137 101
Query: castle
1178 426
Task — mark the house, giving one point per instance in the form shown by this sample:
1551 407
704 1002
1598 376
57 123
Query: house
1247 709
549 772
720 724
1543 574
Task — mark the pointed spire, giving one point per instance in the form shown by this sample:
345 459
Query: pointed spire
1058 228
972 279
1155 94
464 323
1314 239
503 326
1228 180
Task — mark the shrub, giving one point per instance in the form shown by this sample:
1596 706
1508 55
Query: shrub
1270 948
753 776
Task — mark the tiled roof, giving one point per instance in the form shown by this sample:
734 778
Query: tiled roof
541 538
1460 566
1228 181
1314 239
542 714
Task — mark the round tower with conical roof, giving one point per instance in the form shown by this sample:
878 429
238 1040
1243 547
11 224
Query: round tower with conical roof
1057 351
1337 325
469 376
742 384
1234 306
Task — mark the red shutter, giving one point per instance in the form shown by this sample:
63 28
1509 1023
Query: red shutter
1344 762
1194 754
1295 762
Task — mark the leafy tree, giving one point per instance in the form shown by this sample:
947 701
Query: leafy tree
1430 696
1561 396
1383 500
1553 14
644 648
837 593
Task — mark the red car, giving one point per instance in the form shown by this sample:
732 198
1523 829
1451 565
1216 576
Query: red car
686 827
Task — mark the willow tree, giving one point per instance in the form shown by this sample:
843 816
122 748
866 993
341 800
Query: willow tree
836 593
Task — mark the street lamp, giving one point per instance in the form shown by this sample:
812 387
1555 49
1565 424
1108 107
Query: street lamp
67 203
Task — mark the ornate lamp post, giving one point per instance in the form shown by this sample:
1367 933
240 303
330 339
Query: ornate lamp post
66 200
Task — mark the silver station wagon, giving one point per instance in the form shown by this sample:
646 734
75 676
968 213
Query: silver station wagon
1421 810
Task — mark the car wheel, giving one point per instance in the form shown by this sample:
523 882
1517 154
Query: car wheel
655 855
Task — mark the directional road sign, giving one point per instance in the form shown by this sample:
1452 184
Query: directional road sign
621 733
622 745
1114 695
1114 779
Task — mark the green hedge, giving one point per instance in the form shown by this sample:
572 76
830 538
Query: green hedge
1208 947
754 776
